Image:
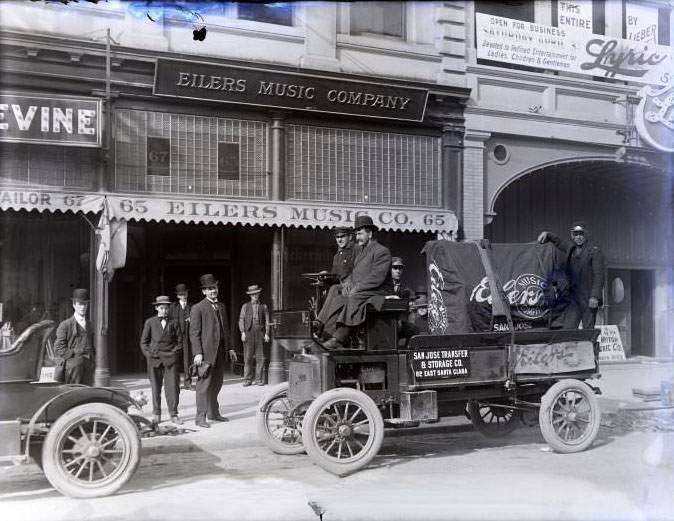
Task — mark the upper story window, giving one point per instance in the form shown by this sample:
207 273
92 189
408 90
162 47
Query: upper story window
278 13
379 18
514 9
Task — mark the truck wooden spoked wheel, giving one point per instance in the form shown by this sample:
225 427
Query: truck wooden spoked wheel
569 416
493 421
91 450
278 426
342 430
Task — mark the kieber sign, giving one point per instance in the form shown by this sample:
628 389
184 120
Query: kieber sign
248 86
51 120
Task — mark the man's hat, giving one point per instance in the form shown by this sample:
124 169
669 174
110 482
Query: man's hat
397 261
364 221
342 230
161 299
181 288
252 290
578 226
421 301
80 295
208 280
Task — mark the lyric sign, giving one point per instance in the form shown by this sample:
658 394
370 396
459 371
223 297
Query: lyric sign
572 50
430 364
248 86
559 357
50 120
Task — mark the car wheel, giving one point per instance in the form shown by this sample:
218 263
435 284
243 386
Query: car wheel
280 430
342 430
91 450
569 416
492 422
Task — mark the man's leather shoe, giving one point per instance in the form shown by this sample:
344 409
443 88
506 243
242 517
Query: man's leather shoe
259 383
218 418
202 423
156 419
176 419
246 383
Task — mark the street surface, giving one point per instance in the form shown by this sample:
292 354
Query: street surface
444 472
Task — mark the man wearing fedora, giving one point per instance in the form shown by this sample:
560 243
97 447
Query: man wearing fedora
180 311
254 327
370 282
75 342
397 267
211 343
161 343
585 271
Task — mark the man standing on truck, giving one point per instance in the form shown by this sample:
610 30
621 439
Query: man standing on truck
75 342
585 271
369 283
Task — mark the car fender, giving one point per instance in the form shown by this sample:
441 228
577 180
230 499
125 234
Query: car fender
77 395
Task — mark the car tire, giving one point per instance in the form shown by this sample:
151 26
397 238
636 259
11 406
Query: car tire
91 450
279 431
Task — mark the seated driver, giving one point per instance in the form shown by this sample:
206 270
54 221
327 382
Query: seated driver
369 283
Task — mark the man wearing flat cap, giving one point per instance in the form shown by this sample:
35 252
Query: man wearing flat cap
585 267
370 282
211 344
254 327
399 290
342 262
75 342
161 343
180 311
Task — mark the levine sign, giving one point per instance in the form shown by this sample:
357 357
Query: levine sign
50 120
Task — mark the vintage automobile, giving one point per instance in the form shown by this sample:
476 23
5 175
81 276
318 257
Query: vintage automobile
337 403
81 437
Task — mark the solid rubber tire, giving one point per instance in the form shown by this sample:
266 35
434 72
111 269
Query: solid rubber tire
261 423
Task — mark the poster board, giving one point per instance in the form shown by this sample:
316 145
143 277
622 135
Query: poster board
610 344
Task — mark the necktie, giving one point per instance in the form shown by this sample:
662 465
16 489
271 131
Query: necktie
216 308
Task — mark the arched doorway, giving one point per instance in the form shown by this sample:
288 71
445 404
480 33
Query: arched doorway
629 212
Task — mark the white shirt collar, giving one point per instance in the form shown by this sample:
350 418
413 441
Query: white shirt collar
80 320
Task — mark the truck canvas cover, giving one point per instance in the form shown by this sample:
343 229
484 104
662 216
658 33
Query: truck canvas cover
460 294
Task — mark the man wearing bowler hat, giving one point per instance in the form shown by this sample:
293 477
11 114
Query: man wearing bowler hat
75 342
370 282
585 271
211 343
180 311
254 327
397 267
161 343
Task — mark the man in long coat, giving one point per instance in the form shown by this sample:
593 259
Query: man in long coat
211 343
75 342
161 343
369 283
585 267
180 311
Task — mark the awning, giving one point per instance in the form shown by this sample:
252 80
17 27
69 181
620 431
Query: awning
231 211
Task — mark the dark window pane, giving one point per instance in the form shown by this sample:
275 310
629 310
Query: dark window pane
228 161
385 18
158 156
598 16
663 26
279 13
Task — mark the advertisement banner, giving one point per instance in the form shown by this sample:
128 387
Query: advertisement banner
641 23
50 120
461 296
575 15
571 50
610 344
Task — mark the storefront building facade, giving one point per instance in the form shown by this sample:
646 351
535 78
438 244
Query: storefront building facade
229 163
552 137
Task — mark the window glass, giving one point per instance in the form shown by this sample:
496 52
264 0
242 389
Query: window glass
279 13
385 18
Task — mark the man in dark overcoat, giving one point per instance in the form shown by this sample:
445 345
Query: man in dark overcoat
369 283
180 311
161 343
75 342
585 267
211 344
254 327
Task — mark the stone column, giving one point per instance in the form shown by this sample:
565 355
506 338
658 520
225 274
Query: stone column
452 170
473 183
320 37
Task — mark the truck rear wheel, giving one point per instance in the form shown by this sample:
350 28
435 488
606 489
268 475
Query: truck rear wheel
569 416
342 430
493 421
92 450
280 430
